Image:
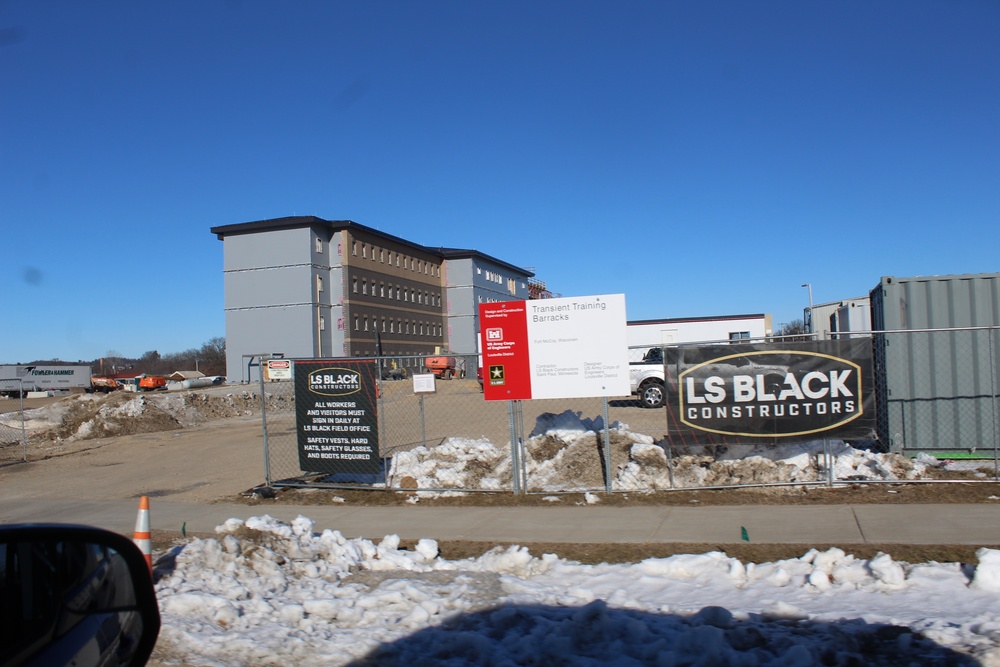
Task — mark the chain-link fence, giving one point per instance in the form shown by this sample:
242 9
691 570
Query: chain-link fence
935 393
13 436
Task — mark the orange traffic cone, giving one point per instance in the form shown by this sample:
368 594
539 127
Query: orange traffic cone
142 537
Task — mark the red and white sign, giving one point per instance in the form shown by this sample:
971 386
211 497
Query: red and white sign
555 348
279 369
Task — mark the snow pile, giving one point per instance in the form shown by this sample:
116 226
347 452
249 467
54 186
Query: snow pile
121 413
266 593
88 416
36 419
565 453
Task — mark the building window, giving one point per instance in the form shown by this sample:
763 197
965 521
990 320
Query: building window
322 323
319 245
364 250
381 255
366 323
354 285
381 290
319 283
364 287
357 323
354 248
737 336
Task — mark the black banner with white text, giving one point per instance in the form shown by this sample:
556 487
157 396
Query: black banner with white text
771 391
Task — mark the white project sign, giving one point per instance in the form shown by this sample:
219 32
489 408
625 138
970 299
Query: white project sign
555 348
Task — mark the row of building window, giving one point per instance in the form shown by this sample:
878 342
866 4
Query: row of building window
395 292
494 277
395 258
389 325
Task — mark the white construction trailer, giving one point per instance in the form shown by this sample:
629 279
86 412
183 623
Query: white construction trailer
675 331
42 378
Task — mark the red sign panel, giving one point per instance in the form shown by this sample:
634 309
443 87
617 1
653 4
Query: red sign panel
506 363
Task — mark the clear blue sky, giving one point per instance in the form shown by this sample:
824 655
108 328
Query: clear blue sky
701 157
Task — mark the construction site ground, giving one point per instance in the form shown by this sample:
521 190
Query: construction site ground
205 448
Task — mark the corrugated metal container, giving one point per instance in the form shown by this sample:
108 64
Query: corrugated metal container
937 391
854 315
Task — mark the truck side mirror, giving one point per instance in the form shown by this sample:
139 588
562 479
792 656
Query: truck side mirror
74 595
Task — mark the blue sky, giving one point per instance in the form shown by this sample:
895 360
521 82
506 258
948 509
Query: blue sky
701 157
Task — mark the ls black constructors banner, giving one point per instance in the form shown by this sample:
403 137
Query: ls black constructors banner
771 391
336 416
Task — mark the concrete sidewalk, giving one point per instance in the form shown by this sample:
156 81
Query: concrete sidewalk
768 524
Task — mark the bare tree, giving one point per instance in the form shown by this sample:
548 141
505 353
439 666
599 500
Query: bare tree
794 330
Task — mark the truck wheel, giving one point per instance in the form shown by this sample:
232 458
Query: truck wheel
651 394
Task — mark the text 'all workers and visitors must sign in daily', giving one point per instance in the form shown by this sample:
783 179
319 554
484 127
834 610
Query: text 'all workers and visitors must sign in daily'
555 348
336 416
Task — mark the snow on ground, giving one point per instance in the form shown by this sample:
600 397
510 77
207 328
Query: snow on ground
563 454
268 593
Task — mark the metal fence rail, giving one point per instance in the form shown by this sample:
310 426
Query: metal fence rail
13 436
936 393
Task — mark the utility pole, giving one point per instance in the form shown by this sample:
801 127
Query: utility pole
810 323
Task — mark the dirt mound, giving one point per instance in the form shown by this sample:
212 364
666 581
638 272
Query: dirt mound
196 407
89 416
116 414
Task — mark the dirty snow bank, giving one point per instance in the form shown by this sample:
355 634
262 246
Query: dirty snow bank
264 592
565 453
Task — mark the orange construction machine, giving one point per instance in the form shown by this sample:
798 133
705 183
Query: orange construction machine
152 382
443 367
103 385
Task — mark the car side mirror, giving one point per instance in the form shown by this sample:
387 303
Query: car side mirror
74 595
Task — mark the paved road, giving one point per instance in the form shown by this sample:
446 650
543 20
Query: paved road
771 524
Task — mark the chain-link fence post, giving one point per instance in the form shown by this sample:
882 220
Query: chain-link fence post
607 448
11 434
515 458
828 462
993 391
423 421
263 422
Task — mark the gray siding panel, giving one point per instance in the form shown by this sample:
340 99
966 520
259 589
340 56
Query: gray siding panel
288 285
281 248
938 391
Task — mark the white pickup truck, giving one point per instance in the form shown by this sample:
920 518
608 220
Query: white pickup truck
646 376
646 379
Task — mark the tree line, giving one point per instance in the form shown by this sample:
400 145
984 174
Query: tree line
210 359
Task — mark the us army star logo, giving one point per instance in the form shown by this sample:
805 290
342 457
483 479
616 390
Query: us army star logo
497 375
